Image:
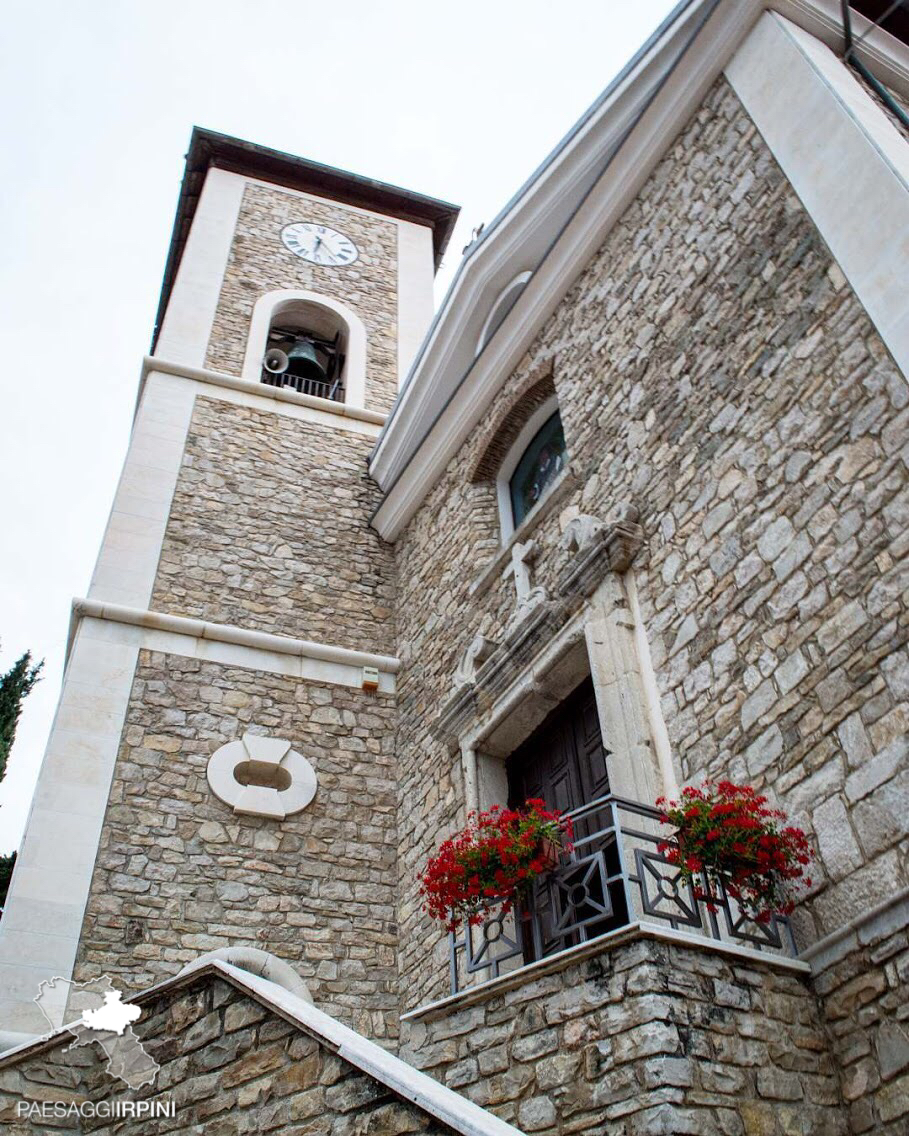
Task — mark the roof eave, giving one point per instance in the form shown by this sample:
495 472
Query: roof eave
209 148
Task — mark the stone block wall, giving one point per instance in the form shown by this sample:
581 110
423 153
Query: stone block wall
179 874
714 368
260 263
643 1039
229 1065
269 529
863 998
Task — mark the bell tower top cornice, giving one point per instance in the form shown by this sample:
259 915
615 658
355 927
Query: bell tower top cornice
208 149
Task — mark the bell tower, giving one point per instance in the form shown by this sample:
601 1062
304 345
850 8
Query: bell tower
220 769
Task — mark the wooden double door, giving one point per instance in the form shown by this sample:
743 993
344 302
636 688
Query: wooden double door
564 760
565 763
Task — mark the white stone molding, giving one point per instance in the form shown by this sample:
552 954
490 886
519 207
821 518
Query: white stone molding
415 303
45 908
616 672
285 301
531 428
478 652
501 306
659 732
306 407
187 323
285 781
238 646
850 168
603 640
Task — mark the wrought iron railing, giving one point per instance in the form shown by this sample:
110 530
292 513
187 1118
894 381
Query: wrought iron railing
318 388
613 876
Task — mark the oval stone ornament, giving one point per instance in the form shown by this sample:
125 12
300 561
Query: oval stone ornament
261 776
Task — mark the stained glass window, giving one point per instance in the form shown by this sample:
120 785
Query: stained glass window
538 468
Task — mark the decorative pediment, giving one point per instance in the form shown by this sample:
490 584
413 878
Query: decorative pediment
487 668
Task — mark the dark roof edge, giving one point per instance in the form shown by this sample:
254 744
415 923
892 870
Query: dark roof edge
208 148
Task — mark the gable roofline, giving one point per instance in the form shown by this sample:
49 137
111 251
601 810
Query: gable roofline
565 212
424 1092
209 148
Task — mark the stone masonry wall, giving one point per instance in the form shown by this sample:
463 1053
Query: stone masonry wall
863 996
179 874
269 529
713 367
229 1065
260 263
644 1039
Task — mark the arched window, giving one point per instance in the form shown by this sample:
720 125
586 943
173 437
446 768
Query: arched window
531 467
309 343
538 468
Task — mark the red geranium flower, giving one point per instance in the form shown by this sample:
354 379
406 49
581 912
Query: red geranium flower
488 862
726 834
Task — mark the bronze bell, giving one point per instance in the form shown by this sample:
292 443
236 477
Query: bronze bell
303 361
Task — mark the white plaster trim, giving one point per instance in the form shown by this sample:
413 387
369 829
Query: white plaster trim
471 995
269 308
427 1094
510 463
659 733
327 410
415 302
45 909
850 168
229 633
187 322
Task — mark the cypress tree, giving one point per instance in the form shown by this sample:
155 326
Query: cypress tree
15 685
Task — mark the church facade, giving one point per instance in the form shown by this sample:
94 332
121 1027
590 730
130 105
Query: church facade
628 513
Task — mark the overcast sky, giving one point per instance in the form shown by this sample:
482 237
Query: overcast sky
461 102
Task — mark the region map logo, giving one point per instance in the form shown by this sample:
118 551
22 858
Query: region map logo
98 1015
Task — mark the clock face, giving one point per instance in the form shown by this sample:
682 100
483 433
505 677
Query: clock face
318 244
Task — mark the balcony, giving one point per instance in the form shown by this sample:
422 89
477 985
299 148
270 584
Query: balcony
317 388
613 876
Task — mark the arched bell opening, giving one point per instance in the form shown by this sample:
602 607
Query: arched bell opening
306 350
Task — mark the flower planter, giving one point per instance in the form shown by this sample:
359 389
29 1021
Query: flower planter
551 853
726 835
493 861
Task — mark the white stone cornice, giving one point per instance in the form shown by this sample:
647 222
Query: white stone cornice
257 390
243 637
